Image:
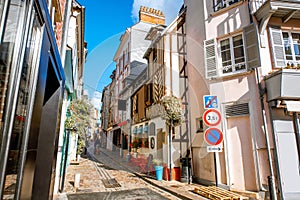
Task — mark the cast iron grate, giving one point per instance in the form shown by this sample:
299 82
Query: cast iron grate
110 183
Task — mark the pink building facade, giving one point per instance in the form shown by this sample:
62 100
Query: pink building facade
246 53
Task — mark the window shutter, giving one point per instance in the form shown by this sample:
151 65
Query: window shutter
210 58
277 47
251 46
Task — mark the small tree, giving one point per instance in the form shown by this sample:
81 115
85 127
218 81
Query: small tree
79 120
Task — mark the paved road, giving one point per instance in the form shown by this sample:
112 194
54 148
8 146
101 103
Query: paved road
140 193
105 178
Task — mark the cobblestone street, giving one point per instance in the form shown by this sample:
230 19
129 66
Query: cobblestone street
107 176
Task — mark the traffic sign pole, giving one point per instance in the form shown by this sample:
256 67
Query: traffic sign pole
212 136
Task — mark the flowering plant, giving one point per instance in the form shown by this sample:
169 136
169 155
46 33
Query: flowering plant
70 123
136 144
173 108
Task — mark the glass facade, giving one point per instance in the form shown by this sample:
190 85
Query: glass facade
18 61
26 44
22 110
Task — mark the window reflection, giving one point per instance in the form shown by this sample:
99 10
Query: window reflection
15 10
19 129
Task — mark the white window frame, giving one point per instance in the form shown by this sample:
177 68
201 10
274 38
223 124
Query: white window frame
291 42
234 66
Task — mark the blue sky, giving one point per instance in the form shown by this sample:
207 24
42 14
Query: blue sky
105 22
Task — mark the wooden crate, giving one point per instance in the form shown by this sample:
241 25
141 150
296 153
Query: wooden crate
216 193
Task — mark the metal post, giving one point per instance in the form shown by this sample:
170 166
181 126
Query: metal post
61 189
216 170
170 148
128 157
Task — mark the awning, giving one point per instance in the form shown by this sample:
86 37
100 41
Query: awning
123 123
292 106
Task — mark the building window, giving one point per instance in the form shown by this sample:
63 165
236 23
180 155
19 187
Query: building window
154 55
219 4
285 47
199 125
232 54
291 46
23 111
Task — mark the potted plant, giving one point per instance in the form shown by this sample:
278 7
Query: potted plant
158 166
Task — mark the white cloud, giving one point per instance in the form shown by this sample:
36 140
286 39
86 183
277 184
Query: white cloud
169 7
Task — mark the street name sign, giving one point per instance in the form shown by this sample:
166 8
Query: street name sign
213 136
212 117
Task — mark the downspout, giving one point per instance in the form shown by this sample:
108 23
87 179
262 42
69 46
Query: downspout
171 93
271 182
65 31
297 132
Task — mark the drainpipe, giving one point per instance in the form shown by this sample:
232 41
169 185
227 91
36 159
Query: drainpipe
62 183
65 30
271 182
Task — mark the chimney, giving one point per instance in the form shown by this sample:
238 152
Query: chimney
150 15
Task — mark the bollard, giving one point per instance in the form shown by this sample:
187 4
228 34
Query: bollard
77 181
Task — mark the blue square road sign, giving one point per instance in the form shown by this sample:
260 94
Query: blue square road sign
210 101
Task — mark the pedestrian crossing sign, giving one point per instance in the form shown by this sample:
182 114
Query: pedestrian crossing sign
210 101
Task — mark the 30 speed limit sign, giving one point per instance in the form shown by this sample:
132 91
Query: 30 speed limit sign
212 117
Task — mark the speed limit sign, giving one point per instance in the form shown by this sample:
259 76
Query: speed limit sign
212 117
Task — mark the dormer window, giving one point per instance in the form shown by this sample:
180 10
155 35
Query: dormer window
219 4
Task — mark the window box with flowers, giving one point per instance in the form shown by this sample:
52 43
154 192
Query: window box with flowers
136 144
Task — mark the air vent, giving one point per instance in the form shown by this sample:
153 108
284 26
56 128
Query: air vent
235 110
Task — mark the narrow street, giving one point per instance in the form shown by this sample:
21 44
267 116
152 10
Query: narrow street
107 176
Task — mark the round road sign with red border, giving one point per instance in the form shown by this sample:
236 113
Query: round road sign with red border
212 117
213 136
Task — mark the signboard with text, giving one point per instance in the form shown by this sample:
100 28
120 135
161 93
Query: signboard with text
212 117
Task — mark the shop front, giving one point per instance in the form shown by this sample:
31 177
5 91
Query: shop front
31 90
